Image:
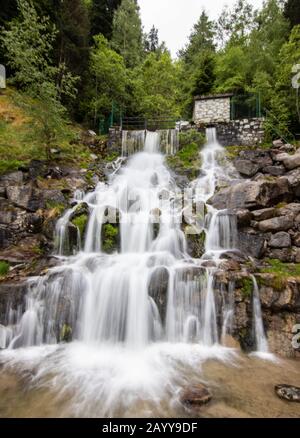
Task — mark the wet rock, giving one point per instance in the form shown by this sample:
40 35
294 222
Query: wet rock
237 256
244 217
280 333
288 392
196 396
158 289
274 170
280 223
81 209
11 295
246 167
280 240
251 243
196 243
251 194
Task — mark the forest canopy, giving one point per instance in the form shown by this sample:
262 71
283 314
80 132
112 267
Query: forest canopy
89 56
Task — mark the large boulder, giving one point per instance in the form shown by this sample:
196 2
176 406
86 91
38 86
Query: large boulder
246 167
252 194
280 240
263 214
26 197
251 243
280 223
292 161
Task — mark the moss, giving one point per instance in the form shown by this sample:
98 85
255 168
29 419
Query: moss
281 205
66 333
187 160
4 268
112 157
80 222
110 237
246 287
281 273
56 206
233 152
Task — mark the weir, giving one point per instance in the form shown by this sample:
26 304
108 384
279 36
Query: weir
147 291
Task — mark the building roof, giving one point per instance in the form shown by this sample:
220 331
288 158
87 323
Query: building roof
214 96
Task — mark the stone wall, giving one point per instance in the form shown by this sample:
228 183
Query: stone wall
212 110
245 132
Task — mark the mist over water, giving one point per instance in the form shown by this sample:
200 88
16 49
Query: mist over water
143 319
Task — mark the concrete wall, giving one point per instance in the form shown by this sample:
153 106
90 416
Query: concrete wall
212 110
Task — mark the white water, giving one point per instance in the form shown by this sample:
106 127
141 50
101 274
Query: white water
141 315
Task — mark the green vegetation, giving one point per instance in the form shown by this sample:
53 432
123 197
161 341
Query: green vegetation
246 287
66 333
53 205
110 237
281 272
188 158
4 268
95 64
80 222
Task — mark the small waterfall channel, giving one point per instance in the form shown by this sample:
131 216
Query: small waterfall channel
140 311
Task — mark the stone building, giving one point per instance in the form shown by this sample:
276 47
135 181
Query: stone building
213 108
232 128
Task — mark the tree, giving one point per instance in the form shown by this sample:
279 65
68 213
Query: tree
109 75
232 69
127 36
102 14
235 25
151 40
28 42
269 34
197 63
201 39
285 104
156 86
292 11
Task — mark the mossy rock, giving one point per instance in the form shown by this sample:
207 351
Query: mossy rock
80 222
110 238
196 242
66 333
4 268
245 284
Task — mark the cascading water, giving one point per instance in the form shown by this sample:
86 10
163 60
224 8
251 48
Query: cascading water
138 311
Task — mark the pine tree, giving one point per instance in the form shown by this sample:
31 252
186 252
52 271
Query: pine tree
102 14
151 40
127 37
200 40
292 11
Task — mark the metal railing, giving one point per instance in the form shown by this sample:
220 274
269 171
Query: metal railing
152 124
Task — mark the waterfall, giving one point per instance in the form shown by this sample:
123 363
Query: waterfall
132 290
166 141
259 331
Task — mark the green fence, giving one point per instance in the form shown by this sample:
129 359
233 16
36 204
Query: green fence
245 106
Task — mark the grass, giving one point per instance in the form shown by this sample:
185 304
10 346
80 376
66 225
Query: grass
58 207
19 144
186 159
4 268
281 272
246 287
